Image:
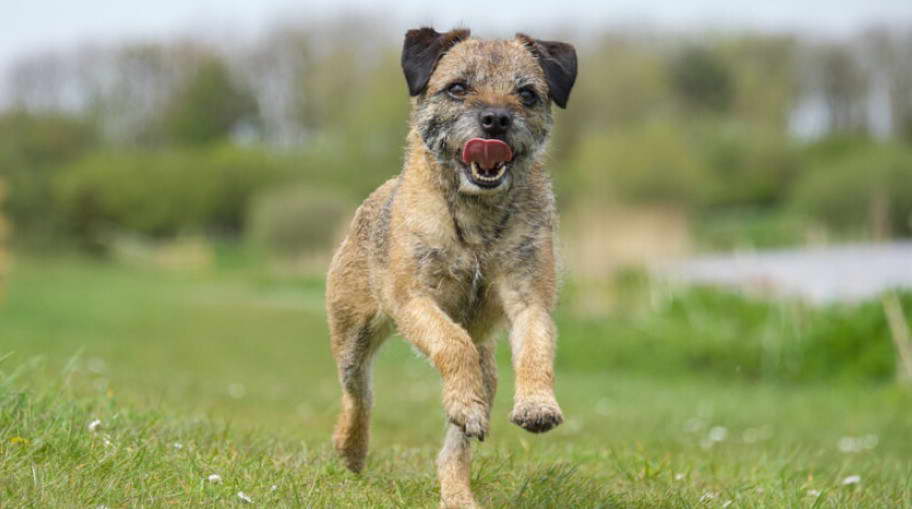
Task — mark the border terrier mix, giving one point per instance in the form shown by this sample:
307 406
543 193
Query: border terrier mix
460 242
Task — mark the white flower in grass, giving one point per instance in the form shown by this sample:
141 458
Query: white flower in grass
106 440
718 433
752 435
96 365
814 493
709 496
214 478
857 444
273 487
237 391
178 445
852 479
94 425
243 496
694 425
679 477
848 445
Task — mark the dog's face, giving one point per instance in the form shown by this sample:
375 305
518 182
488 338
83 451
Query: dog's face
483 108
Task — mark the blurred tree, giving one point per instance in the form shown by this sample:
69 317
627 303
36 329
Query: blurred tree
750 165
331 88
890 52
858 188
844 87
701 80
655 163
209 106
143 78
39 82
273 68
163 193
32 150
4 233
763 71
302 219
623 86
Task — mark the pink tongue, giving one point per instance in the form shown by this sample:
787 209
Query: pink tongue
487 153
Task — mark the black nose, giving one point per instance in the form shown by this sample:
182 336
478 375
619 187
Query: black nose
495 120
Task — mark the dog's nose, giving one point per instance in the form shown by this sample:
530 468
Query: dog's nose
495 121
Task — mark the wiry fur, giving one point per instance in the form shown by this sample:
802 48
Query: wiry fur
447 262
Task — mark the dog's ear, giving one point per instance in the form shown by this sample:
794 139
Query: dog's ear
422 49
558 60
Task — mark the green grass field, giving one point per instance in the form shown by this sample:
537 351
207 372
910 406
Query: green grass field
229 373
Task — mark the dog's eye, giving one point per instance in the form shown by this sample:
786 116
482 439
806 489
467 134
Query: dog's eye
457 90
528 96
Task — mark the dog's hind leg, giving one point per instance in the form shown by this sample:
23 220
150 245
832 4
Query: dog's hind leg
454 461
453 464
488 371
354 343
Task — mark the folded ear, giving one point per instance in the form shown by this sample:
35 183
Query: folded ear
422 49
558 60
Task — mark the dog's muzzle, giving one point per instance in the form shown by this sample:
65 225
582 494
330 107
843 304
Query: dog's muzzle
486 161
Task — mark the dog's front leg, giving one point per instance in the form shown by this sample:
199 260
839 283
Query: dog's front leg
532 340
452 351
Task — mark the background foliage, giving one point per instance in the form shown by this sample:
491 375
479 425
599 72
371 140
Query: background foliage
729 125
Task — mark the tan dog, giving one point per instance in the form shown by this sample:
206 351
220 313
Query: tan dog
462 239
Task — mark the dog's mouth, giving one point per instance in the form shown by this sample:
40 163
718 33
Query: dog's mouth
486 161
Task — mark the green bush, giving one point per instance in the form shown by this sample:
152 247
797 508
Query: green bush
723 334
208 106
33 148
750 166
750 227
845 186
290 221
654 163
162 193
709 166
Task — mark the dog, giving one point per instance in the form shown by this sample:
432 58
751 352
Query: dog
460 243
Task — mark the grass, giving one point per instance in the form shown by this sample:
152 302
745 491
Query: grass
235 368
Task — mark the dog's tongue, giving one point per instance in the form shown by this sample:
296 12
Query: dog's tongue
487 153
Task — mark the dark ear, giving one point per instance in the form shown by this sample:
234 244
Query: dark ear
558 60
422 49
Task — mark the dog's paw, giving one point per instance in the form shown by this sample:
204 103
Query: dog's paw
351 451
460 503
472 417
537 415
476 427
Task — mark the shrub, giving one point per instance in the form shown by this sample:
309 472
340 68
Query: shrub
165 192
33 148
750 166
4 231
854 190
291 221
724 334
650 164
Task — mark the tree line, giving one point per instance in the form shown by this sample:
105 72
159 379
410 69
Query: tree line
161 138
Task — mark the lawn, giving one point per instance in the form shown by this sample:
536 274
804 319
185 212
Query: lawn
228 373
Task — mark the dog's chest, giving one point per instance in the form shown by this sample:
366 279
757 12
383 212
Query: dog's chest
457 277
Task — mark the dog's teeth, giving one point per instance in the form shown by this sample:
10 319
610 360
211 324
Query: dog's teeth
478 175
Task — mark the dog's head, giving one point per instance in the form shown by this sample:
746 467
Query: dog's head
483 108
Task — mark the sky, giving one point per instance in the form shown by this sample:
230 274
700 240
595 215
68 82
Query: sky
29 26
